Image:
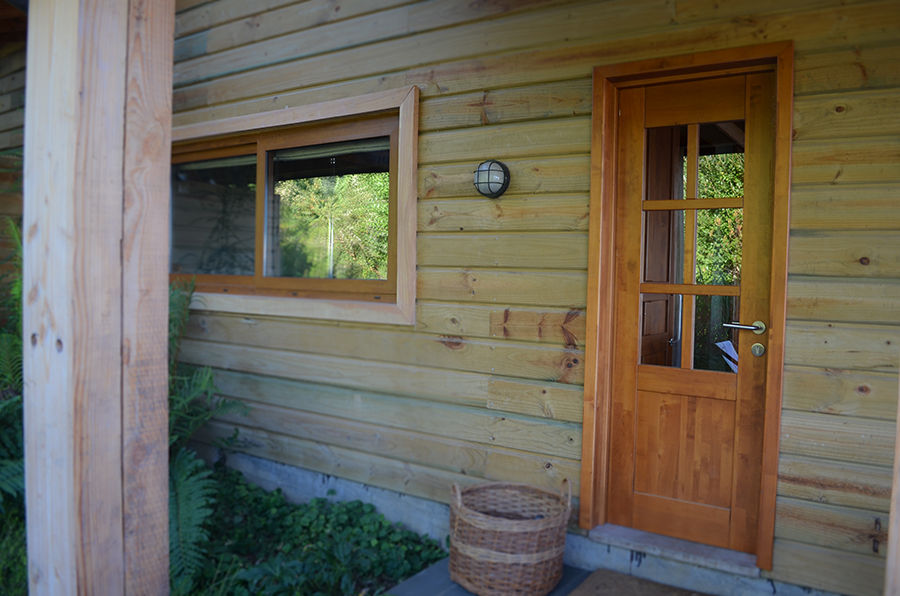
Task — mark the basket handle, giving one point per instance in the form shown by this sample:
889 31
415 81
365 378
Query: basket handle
457 496
567 486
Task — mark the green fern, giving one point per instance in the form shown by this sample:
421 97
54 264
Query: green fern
191 497
12 479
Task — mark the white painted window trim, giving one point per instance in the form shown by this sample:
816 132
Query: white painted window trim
401 312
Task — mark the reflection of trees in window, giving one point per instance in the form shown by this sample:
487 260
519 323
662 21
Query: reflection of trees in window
334 226
719 230
719 245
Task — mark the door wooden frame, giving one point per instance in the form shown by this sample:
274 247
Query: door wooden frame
608 80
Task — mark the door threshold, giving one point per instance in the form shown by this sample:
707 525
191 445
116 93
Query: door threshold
685 551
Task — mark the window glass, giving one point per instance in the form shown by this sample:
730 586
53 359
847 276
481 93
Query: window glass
327 215
213 216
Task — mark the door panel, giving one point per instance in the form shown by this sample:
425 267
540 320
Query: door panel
687 399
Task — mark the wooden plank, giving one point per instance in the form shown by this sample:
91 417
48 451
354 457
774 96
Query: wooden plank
846 114
540 399
624 38
842 345
844 300
845 254
509 288
12 119
851 207
365 468
409 445
568 326
548 437
233 22
544 325
521 30
553 174
296 38
526 139
542 250
12 82
11 203
11 139
844 68
701 523
843 528
835 483
841 438
539 213
72 314
848 161
97 124
498 106
827 569
842 392
12 100
515 359
12 58
145 296
551 63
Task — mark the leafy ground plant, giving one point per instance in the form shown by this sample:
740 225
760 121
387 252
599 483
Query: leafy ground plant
262 544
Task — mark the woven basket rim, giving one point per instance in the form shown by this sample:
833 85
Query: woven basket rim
486 521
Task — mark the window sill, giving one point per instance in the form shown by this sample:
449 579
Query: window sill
402 312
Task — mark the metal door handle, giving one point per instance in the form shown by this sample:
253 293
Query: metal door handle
758 327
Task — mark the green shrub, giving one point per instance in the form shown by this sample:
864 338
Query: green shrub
270 546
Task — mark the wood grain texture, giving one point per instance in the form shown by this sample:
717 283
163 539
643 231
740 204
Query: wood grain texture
844 300
511 250
532 398
546 325
72 310
845 253
542 212
860 486
145 296
842 345
844 392
523 433
440 452
844 528
95 364
510 358
827 568
842 438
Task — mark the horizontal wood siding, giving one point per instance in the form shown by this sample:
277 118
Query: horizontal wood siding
12 119
487 384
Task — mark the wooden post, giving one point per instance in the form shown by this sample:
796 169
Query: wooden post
892 575
95 234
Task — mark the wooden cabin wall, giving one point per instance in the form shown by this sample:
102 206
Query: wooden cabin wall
12 119
487 385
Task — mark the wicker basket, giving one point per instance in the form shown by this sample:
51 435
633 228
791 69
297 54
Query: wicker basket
507 538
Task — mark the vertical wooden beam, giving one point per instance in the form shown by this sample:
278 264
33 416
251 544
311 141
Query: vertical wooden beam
145 295
96 161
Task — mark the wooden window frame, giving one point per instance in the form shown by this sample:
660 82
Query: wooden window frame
390 113
601 267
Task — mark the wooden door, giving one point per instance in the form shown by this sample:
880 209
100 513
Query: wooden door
693 229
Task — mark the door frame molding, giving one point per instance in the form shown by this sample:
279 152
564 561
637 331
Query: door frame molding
599 341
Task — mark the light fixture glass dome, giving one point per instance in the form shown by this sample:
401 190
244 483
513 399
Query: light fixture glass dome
491 178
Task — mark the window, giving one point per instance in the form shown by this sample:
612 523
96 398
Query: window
305 211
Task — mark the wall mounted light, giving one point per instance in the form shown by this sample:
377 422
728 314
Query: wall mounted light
491 178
